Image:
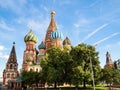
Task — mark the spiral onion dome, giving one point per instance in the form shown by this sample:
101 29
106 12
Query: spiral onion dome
42 46
56 35
67 41
30 37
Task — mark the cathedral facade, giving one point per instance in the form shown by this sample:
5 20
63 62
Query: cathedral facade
32 56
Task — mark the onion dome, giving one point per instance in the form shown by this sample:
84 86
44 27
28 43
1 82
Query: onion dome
67 41
30 37
56 35
42 46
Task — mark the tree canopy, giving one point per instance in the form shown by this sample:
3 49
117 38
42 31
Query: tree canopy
71 67
82 54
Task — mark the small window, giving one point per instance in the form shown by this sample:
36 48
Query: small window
11 66
37 70
31 69
8 75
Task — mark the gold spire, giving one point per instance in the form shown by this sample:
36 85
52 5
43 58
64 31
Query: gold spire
52 22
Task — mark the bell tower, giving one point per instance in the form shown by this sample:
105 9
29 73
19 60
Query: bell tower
11 70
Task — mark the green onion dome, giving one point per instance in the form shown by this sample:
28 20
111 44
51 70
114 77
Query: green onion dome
67 41
42 46
56 35
30 37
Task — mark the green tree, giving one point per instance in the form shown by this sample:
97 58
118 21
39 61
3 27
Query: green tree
110 76
30 77
116 76
81 55
57 65
65 66
51 67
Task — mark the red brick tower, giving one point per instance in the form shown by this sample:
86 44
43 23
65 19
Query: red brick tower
11 70
51 28
109 62
53 36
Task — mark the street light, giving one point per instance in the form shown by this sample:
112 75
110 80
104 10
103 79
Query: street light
92 70
92 73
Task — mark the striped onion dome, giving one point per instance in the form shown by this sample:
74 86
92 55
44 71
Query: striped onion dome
56 35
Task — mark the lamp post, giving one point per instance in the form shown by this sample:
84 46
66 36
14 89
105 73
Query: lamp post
92 73
91 67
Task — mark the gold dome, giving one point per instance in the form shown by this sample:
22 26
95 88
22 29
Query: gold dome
52 12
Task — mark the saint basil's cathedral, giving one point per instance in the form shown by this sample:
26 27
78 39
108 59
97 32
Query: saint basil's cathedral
32 56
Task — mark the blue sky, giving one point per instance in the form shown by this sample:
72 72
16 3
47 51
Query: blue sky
88 21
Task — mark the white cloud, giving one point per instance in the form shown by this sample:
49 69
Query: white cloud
81 22
2 48
65 2
14 5
93 4
3 56
106 38
5 26
39 26
118 43
95 31
45 8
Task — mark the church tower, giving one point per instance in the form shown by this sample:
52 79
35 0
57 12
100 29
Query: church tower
53 36
51 28
11 70
109 62
30 53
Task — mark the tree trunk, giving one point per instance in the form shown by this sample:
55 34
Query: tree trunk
84 83
55 85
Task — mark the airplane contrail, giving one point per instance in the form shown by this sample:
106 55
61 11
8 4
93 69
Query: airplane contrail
106 38
95 31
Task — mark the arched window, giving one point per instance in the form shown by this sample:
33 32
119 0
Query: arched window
7 66
12 75
36 69
31 69
11 66
15 67
8 75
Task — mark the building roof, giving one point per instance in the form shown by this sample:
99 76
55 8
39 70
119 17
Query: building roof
31 37
56 35
52 22
42 46
12 57
67 41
